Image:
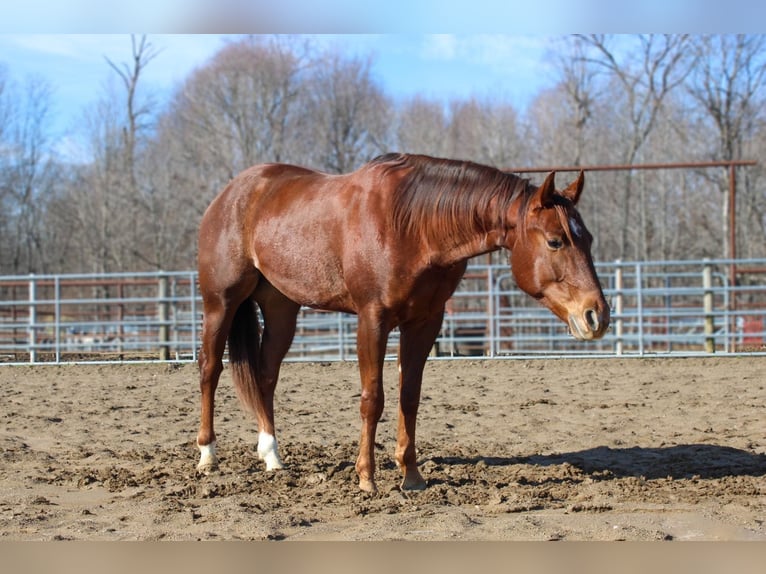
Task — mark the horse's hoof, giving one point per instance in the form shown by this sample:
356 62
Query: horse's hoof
208 461
413 482
368 485
267 451
273 463
206 469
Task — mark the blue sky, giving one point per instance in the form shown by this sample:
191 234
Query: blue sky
397 16
441 66
491 47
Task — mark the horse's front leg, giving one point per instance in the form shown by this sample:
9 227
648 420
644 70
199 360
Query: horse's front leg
416 341
371 344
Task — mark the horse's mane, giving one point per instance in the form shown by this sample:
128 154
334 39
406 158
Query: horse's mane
443 198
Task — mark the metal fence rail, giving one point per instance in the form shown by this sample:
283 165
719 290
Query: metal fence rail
675 307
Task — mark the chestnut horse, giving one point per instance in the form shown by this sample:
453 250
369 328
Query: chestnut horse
390 243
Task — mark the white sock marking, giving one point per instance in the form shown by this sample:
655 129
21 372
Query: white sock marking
267 451
207 458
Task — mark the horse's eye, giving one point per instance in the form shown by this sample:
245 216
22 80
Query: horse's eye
555 244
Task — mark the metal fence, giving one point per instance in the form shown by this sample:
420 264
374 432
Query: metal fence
675 307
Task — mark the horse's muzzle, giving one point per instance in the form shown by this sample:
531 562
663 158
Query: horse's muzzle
590 324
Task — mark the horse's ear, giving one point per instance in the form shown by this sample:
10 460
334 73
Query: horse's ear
545 193
574 189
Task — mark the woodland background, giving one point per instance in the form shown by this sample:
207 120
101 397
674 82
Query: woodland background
148 169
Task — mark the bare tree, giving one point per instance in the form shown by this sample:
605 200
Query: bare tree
645 74
5 101
25 176
349 111
756 200
241 107
727 84
129 182
135 202
109 198
172 196
565 127
103 203
485 131
137 113
559 132
6 197
103 213
421 125
579 87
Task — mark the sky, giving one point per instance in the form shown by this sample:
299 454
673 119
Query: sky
391 16
438 48
439 66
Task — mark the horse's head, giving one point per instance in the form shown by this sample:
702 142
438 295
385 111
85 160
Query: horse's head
551 259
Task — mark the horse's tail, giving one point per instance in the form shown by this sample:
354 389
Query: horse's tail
244 343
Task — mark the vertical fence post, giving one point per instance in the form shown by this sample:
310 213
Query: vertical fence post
57 316
707 303
668 311
193 306
492 328
162 316
618 308
640 306
32 334
341 337
121 316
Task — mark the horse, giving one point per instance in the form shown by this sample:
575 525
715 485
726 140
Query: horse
388 242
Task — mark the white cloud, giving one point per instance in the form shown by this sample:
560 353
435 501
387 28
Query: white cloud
486 50
76 46
176 56
439 47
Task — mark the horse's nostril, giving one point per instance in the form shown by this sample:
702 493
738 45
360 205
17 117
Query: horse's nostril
591 318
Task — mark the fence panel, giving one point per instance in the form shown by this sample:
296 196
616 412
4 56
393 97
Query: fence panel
676 307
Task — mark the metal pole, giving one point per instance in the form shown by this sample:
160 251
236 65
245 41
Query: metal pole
57 316
491 310
162 316
707 302
121 316
32 319
733 250
630 167
618 308
193 301
732 219
640 307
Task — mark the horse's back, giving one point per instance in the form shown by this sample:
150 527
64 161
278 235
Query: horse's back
226 229
262 181
322 240
292 224
258 190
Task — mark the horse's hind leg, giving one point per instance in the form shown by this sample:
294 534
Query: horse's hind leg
215 327
218 313
279 318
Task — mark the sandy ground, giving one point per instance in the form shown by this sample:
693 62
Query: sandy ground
596 449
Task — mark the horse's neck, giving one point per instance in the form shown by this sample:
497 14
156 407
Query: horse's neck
495 233
462 217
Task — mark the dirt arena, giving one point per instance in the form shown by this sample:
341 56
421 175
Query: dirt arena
597 449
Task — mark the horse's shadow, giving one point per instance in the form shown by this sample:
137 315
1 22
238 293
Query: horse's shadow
686 461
